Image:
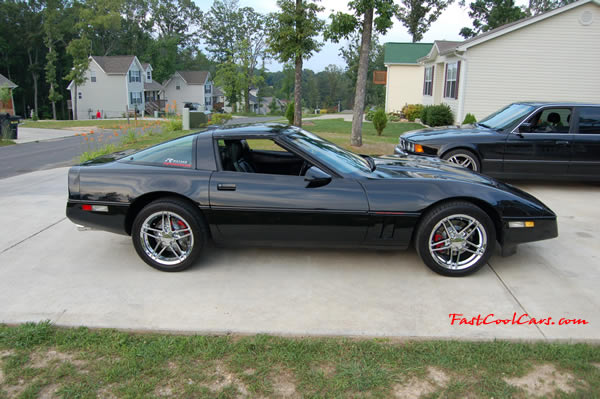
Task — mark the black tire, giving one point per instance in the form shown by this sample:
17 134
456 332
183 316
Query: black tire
461 214
455 155
185 215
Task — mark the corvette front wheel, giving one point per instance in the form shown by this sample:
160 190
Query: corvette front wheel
455 239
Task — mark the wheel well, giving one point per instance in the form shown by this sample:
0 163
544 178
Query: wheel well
139 203
471 150
487 208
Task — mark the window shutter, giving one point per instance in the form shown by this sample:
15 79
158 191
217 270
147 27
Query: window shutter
457 80
432 80
425 80
445 80
130 97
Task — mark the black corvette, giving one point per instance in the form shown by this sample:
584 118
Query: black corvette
267 185
523 140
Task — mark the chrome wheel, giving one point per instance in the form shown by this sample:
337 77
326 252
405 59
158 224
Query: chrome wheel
457 242
166 238
463 160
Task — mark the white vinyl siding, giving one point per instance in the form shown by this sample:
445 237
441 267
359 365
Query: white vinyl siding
556 59
404 86
178 92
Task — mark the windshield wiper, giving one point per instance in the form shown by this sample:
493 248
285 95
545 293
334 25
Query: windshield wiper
371 162
483 124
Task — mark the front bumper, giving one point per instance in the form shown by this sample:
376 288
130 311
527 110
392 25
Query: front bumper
545 228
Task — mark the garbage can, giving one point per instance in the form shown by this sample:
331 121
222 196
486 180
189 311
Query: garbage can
9 126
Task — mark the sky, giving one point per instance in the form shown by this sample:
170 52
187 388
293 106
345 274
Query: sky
452 20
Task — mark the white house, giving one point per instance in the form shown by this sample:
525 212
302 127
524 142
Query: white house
189 87
554 56
404 75
114 84
153 91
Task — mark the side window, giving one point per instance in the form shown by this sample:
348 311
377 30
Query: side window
589 120
176 153
262 156
551 120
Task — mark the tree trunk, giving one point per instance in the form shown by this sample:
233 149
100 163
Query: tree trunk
74 102
298 93
247 100
361 80
34 75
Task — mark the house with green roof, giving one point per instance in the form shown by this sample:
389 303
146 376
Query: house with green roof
404 80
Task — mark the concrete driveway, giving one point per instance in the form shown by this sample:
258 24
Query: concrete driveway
50 271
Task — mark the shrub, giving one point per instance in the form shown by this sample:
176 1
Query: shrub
412 111
173 125
379 121
437 115
34 116
370 114
469 119
394 116
289 113
220 119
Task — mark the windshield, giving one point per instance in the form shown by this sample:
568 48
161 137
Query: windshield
338 158
507 116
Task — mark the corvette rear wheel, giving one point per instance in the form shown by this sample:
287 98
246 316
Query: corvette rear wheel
455 239
464 158
168 235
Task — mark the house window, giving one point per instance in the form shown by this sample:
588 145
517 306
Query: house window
177 87
208 88
207 100
134 76
79 96
92 76
149 76
428 83
451 88
135 97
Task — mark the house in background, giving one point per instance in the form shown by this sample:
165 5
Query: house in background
554 56
153 92
404 81
7 107
189 87
114 85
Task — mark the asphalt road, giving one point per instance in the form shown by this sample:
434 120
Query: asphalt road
51 271
28 157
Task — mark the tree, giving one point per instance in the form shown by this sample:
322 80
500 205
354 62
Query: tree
221 29
180 19
229 78
418 15
52 35
380 121
490 14
78 50
366 14
539 6
293 37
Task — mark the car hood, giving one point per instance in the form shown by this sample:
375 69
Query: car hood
413 166
445 132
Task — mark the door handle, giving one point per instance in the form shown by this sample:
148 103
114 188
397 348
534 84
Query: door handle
562 142
226 187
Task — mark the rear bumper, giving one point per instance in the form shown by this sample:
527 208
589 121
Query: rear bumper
112 221
544 229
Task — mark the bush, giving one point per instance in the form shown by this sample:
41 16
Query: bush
289 113
469 119
174 125
220 119
379 121
412 111
394 116
370 114
437 115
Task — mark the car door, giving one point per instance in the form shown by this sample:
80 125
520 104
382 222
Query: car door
541 145
586 143
266 208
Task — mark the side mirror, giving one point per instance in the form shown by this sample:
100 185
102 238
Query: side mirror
525 127
315 177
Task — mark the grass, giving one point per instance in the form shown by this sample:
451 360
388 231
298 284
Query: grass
338 131
100 123
4 143
81 363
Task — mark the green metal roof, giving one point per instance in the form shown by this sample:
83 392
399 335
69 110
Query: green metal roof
405 53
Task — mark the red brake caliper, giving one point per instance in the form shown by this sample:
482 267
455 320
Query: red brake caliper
436 238
181 224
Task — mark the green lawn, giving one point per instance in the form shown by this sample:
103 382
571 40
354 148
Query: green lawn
101 123
338 131
4 143
38 360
